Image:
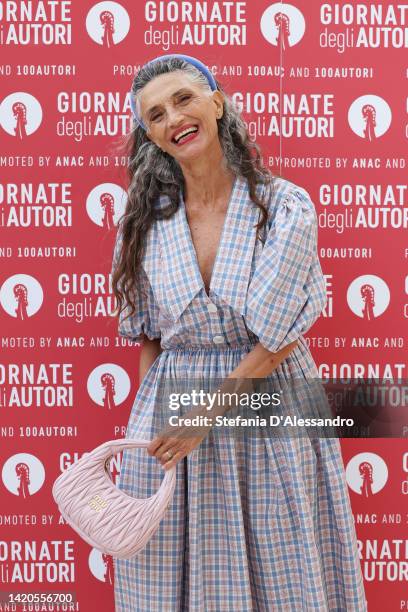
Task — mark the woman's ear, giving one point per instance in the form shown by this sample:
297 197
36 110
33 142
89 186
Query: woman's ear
218 100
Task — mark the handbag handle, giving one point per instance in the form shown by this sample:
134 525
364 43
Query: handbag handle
103 453
116 446
106 450
111 447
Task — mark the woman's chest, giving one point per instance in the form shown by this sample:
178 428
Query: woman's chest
217 253
206 230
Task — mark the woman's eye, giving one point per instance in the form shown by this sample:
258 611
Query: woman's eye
182 99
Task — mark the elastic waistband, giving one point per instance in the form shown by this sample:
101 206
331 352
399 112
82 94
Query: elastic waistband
210 349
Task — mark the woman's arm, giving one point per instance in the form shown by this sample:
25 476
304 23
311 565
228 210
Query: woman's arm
182 440
260 362
151 349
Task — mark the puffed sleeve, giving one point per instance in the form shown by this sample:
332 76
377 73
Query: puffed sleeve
287 292
144 320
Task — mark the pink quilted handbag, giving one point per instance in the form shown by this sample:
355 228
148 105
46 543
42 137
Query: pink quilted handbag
104 516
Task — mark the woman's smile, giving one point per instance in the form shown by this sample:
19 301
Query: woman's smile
187 137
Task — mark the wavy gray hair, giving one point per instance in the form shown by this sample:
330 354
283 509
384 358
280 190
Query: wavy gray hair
153 172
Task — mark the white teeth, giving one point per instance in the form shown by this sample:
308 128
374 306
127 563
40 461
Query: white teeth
185 132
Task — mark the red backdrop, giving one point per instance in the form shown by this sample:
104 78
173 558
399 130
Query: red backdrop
321 88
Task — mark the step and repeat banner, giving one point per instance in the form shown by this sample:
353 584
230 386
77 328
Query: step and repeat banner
323 89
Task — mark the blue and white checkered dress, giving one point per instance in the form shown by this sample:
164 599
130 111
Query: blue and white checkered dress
255 524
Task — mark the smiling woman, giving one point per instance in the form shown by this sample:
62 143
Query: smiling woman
156 114
216 272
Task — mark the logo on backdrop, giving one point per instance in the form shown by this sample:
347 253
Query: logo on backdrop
21 296
20 114
108 385
107 23
369 117
101 566
105 204
36 23
176 24
368 296
289 115
37 561
23 475
27 205
96 113
368 26
282 25
366 474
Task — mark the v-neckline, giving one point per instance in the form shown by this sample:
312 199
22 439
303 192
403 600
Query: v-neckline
220 242
180 278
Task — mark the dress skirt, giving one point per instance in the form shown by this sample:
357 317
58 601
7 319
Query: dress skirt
255 524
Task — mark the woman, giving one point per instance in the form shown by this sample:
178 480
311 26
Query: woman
217 265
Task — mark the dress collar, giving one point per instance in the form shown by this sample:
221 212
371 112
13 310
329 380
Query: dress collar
182 278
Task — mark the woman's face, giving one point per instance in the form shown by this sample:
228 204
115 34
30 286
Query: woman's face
171 103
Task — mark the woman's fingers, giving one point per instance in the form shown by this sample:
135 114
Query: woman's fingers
174 460
160 446
168 445
154 445
179 443
177 448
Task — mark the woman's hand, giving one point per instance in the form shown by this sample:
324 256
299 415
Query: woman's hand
182 439
179 440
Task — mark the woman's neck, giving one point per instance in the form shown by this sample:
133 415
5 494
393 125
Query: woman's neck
207 183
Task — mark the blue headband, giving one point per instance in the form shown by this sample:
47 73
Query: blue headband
191 60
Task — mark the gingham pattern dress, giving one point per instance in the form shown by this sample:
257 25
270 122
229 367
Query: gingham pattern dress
255 524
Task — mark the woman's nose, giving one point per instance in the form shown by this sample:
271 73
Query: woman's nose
173 116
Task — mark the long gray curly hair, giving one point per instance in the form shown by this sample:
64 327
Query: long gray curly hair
153 172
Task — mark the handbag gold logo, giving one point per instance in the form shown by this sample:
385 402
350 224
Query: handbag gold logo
97 503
